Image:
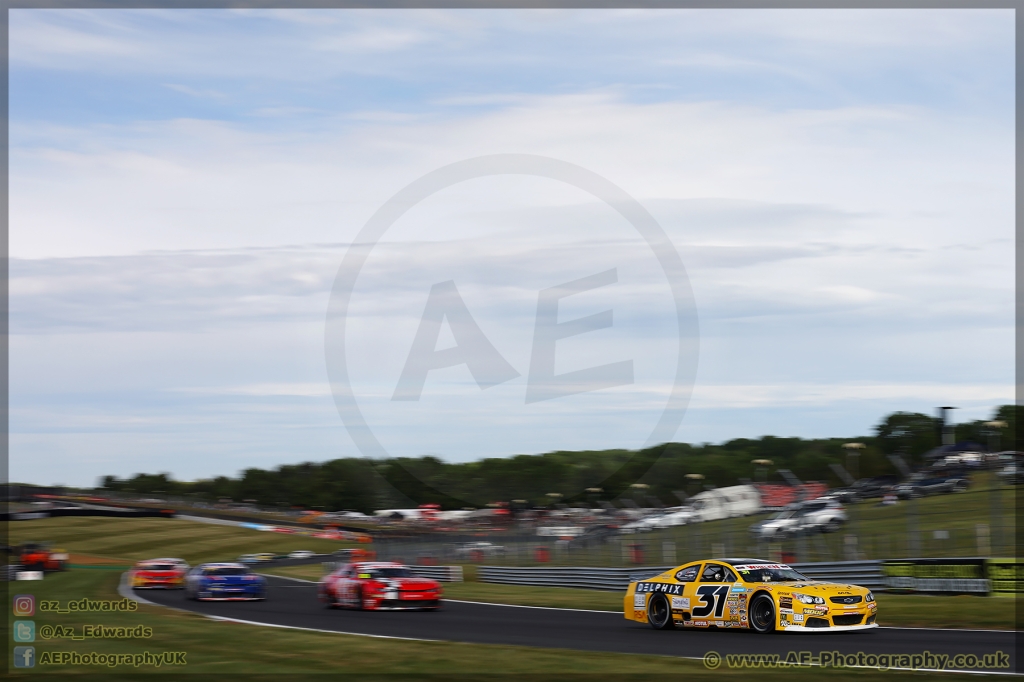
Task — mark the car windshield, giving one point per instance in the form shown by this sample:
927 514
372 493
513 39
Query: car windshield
227 570
769 573
158 567
396 572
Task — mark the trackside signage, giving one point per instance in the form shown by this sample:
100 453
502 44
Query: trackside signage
960 576
1006 576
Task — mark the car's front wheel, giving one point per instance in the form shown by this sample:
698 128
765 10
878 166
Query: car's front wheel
762 614
659 613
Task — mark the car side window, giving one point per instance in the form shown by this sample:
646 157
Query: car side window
713 573
688 574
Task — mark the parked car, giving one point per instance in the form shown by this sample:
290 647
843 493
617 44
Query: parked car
1012 473
824 515
478 550
932 483
868 488
669 518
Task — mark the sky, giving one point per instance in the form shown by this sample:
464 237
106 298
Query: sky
185 186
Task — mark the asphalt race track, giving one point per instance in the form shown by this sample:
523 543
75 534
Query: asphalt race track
293 603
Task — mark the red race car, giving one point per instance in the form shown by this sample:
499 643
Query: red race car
165 573
378 586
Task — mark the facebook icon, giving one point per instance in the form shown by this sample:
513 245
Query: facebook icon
24 657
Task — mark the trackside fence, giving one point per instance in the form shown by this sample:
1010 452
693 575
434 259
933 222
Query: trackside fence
865 573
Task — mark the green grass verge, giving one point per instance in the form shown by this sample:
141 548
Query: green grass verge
135 539
987 613
214 647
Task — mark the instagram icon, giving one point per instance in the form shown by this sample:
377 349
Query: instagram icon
24 605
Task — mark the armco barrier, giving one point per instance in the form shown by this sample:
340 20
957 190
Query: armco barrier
445 574
865 573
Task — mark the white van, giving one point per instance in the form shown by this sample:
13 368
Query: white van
725 503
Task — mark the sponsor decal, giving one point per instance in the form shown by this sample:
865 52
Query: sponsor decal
659 587
786 611
700 623
872 607
758 567
688 623
850 606
738 587
784 623
681 603
798 618
786 602
815 612
743 613
640 615
639 600
687 575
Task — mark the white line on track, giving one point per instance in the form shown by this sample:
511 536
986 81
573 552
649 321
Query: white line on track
522 606
332 632
555 608
127 592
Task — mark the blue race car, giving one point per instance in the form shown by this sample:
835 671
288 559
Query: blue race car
224 582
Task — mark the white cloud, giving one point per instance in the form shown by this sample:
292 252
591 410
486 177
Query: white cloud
851 253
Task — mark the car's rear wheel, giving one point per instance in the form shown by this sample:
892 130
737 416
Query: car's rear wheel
762 614
833 525
659 613
360 606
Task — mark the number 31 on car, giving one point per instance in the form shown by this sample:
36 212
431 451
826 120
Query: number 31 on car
749 594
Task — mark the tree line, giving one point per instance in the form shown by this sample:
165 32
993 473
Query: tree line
662 474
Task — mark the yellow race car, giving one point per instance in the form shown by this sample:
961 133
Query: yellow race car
762 596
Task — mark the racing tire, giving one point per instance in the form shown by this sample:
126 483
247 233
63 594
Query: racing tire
330 601
659 613
762 614
832 526
359 600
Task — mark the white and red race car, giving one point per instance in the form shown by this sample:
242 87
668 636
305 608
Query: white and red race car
378 586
